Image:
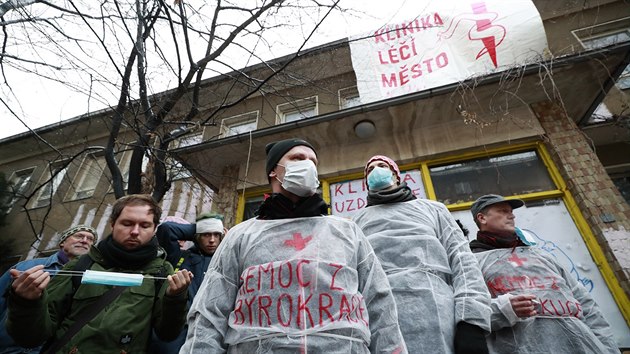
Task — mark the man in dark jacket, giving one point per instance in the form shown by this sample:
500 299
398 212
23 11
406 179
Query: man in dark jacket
206 235
42 309
294 279
537 305
74 242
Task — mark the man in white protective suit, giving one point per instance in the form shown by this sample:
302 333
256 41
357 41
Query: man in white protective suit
293 279
537 305
443 304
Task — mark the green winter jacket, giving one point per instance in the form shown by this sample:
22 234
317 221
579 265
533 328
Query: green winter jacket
124 326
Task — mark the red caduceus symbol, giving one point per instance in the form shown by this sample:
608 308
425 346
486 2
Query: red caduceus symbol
491 35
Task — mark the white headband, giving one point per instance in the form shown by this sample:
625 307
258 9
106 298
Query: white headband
209 225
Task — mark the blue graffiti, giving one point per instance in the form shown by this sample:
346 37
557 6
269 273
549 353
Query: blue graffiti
553 249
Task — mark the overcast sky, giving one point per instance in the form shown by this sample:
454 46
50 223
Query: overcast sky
49 102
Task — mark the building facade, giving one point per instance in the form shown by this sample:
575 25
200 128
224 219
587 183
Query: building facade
554 133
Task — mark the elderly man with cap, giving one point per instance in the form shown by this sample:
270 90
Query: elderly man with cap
537 305
294 279
443 304
73 243
206 234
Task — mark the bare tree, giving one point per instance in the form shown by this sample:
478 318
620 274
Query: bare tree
133 50
151 58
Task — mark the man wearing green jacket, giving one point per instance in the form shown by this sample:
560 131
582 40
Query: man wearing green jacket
42 310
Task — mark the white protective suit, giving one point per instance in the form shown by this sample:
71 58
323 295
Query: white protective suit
294 285
434 276
568 320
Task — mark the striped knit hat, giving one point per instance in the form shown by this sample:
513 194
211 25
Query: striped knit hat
73 230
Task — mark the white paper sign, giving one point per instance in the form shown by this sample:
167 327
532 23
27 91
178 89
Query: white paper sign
446 42
349 196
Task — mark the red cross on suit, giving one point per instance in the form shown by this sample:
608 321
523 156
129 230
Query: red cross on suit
516 260
298 242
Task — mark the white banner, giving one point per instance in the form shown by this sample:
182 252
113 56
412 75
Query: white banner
349 196
446 42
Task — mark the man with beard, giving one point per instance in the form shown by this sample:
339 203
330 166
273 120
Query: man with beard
41 309
74 242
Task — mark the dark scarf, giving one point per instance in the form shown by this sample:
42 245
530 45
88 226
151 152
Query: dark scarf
277 206
118 257
401 193
487 241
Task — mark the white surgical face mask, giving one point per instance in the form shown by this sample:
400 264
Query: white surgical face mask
300 178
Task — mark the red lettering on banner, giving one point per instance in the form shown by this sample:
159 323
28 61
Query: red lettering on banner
397 54
559 308
300 273
266 270
290 275
554 309
408 177
387 33
350 191
264 308
350 205
505 284
332 283
279 307
403 76
324 308
249 309
238 311
248 276
344 307
338 189
303 309
578 309
358 308
496 286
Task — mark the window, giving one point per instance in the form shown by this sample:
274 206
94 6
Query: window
18 184
605 34
297 110
349 97
176 170
239 124
87 178
50 181
251 206
512 174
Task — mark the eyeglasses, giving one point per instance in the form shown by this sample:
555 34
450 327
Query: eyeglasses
88 238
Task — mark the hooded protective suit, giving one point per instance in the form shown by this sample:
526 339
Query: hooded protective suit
434 276
568 320
310 284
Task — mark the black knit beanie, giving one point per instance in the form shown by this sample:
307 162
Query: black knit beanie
277 149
